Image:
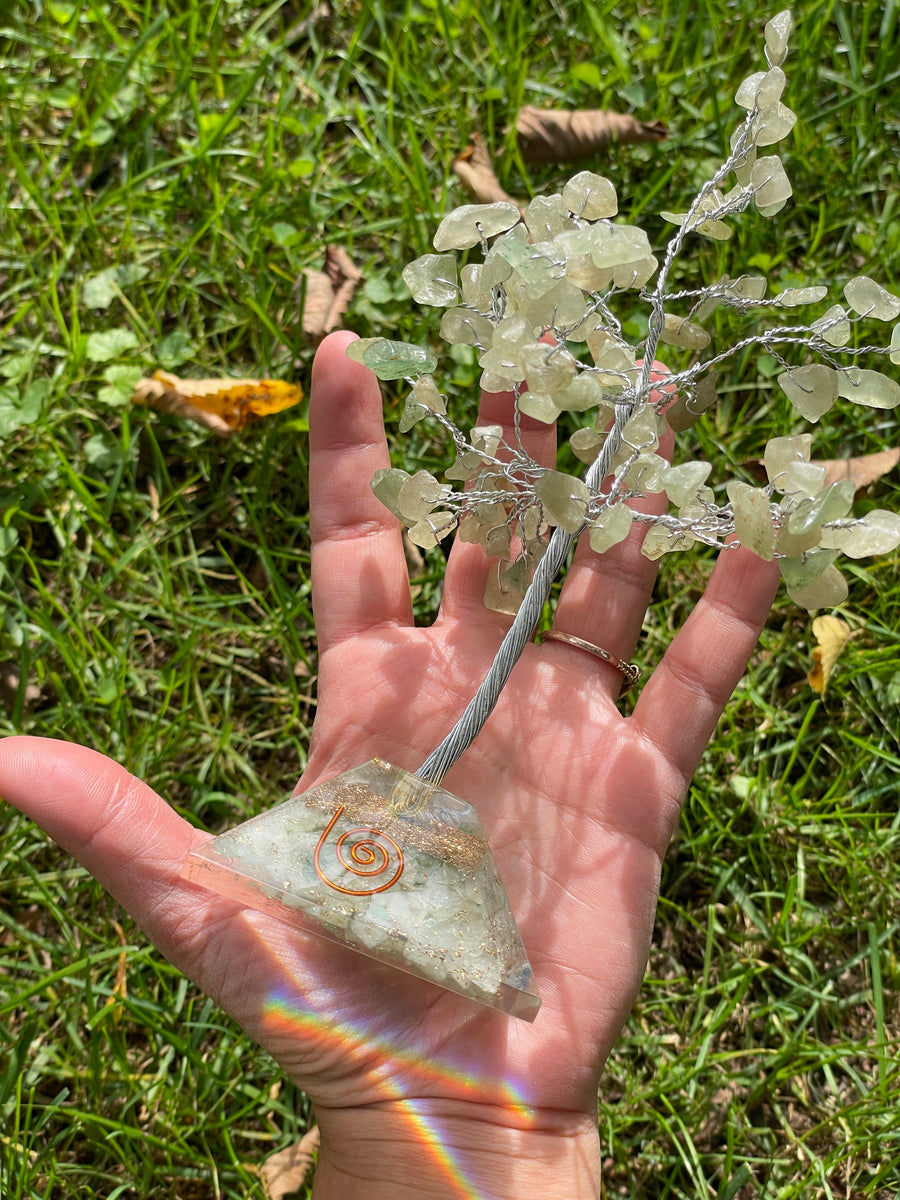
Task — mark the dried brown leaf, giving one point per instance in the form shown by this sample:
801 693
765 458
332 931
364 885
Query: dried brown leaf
329 292
223 405
284 1173
549 135
864 470
476 170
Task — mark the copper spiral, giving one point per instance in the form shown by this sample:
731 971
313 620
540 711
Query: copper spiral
368 858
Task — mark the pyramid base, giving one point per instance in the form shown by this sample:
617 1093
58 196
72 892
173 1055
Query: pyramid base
389 866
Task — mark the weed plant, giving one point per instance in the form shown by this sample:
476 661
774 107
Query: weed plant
168 173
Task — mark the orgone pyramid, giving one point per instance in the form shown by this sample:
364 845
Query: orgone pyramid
388 865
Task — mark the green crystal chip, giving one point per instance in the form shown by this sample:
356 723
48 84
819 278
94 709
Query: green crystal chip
878 532
590 196
870 388
870 299
771 186
829 590
395 360
812 389
432 279
752 518
472 223
777 32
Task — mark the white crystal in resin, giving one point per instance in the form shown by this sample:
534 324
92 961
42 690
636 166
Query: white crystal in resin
381 862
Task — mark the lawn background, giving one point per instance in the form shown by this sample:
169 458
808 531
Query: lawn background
154 580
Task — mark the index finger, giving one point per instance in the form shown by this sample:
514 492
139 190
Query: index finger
359 573
468 565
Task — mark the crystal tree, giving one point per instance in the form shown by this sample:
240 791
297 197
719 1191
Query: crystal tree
388 862
541 311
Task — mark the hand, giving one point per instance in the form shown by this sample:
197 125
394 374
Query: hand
415 1089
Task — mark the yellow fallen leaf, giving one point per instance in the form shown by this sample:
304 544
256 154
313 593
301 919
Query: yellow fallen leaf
223 405
832 634
120 989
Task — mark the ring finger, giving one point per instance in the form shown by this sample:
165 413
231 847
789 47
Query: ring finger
604 597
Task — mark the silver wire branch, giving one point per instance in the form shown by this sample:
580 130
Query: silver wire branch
520 633
769 339
699 518
522 629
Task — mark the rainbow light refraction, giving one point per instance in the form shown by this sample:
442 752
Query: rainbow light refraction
286 1014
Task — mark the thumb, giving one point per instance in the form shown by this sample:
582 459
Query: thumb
114 824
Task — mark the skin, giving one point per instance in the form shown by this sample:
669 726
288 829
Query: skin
418 1091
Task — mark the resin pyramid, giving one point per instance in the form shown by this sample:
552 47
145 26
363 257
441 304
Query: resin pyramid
388 865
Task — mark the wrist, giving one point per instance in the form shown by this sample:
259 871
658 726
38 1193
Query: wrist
430 1148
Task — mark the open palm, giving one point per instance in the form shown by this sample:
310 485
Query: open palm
578 804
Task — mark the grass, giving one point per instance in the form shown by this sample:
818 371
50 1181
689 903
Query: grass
155 582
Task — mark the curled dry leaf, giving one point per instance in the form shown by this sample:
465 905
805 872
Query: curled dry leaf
284 1173
329 292
864 470
548 135
476 170
832 634
223 405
